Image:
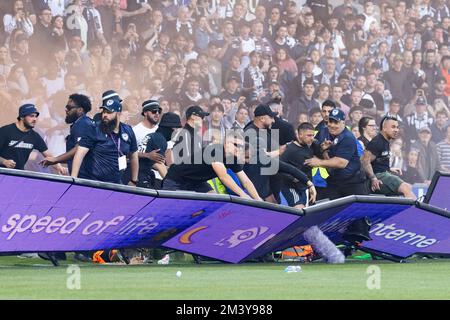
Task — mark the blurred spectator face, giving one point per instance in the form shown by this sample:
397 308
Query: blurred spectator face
18 73
258 29
157 17
306 136
441 119
413 156
368 8
330 66
430 58
282 32
281 55
302 117
3 54
371 81
292 29
76 43
146 61
408 58
232 85
309 67
255 59
356 115
260 13
183 14
421 108
394 108
440 85
309 90
108 3
275 15
336 93
242 115
382 49
309 20
238 11
46 17
305 39
71 82
361 82
424 136
324 92
316 118
371 129
160 68
355 131
59 22
165 106
336 127
446 23
216 114
398 63
124 52
228 30
244 31
226 103
354 56
96 51
235 62
333 23
164 39
193 87
345 84
315 56
356 97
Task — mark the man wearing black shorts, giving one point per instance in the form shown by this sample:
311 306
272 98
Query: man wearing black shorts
341 159
216 159
305 147
375 162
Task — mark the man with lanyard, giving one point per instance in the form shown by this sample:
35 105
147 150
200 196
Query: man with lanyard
18 140
194 177
105 148
76 115
321 174
375 161
151 111
189 140
341 159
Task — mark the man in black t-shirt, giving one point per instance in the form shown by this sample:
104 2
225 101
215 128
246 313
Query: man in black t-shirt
305 147
375 161
18 140
216 159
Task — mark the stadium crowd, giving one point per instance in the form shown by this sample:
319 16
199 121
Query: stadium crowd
376 71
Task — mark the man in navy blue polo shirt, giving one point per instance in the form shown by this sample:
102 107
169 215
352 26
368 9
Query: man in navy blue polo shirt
105 148
76 115
341 159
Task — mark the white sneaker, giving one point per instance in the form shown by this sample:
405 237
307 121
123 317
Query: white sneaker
164 260
28 256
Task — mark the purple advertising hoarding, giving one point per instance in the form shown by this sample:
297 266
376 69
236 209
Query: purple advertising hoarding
40 213
232 233
440 193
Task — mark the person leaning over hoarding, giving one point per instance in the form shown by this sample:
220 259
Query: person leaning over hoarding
375 161
194 177
104 149
18 140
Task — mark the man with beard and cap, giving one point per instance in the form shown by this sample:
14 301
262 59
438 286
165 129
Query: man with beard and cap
341 159
18 140
107 95
105 148
375 161
159 142
76 115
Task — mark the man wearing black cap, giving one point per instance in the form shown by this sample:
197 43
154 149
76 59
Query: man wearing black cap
375 161
258 134
76 115
18 140
159 142
107 95
105 148
189 141
341 156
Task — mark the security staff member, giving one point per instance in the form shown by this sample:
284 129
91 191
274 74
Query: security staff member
105 147
18 140
76 115
188 142
375 162
341 158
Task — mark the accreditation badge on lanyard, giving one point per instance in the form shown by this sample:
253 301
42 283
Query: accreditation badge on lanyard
122 159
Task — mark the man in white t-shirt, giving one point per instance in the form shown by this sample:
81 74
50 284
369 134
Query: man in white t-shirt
151 111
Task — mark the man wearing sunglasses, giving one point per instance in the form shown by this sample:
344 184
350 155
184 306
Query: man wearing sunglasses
76 115
151 113
216 159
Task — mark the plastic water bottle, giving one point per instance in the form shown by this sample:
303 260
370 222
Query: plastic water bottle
291 269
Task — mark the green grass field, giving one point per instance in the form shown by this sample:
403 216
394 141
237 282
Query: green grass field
37 279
